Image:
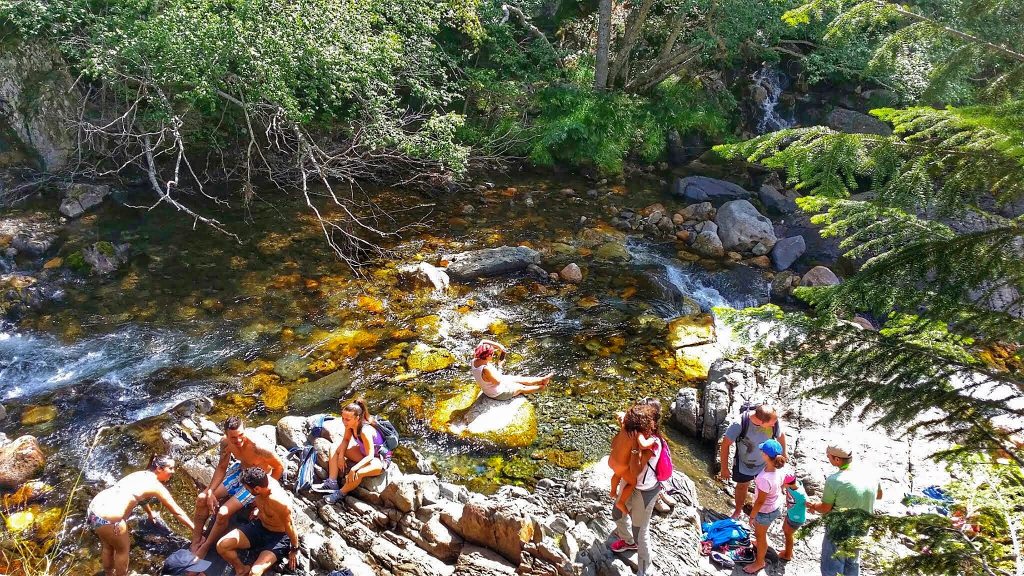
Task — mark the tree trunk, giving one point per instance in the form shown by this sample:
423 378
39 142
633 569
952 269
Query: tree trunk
604 33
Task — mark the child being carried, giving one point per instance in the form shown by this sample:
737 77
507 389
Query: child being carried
637 434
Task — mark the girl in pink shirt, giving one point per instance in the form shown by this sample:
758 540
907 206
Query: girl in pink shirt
768 503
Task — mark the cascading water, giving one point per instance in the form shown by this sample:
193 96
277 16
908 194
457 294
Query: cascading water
769 83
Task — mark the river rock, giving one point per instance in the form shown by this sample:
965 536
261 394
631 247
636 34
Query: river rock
511 423
776 201
741 226
292 431
691 330
423 274
787 251
704 189
612 252
571 273
819 276
34 243
20 460
490 261
34 415
104 257
700 211
851 122
686 411
429 359
708 244
80 197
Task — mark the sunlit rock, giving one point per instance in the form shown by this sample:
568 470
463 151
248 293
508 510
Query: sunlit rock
34 415
691 330
370 304
20 460
467 413
275 397
429 359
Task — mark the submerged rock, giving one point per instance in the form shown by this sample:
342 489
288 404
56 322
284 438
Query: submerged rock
429 359
20 460
104 257
33 415
612 252
490 261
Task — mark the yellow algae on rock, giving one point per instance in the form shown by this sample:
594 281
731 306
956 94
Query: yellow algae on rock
694 361
428 326
467 413
42 524
370 304
34 415
498 327
275 397
396 351
429 359
260 382
323 366
241 401
356 339
691 330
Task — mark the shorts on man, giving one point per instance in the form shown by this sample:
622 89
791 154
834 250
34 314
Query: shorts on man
261 540
233 484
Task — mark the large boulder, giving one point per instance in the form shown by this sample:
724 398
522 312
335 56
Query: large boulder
691 330
776 201
20 461
511 423
741 227
787 251
686 411
819 276
490 261
852 122
704 189
37 100
500 526
80 197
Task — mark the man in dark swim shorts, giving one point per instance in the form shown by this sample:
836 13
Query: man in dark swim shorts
272 533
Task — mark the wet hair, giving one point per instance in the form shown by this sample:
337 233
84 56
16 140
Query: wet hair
765 412
642 418
157 461
254 477
232 423
483 352
358 408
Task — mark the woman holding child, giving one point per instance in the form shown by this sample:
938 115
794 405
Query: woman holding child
635 487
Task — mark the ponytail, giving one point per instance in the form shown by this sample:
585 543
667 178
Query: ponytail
780 461
358 408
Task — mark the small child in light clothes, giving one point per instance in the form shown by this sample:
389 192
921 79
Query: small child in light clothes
796 513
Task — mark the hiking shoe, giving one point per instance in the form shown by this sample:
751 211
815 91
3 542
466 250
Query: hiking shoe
621 545
327 487
333 497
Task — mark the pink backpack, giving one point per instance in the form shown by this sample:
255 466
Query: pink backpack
663 469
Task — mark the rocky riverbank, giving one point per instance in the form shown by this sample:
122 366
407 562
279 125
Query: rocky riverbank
421 525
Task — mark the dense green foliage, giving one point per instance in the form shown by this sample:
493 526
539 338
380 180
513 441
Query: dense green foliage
941 269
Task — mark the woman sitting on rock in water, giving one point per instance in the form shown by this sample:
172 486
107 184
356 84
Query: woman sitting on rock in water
109 510
486 369
360 453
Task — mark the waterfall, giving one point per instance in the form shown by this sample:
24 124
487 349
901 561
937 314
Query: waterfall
772 82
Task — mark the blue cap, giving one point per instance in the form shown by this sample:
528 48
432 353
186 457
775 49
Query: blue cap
771 448
184 562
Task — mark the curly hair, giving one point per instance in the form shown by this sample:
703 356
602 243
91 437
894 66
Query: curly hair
642 418
254 477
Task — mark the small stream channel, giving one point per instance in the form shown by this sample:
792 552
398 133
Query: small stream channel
194 314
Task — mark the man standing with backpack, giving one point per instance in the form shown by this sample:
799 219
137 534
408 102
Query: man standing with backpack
757 423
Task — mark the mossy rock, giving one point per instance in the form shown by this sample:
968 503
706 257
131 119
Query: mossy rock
275 397
467 413
429 359
612 252
691 330
35 415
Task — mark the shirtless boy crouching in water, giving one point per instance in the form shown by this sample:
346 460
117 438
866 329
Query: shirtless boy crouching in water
226 493
271 533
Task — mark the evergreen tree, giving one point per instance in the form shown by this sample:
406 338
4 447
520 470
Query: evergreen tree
931 215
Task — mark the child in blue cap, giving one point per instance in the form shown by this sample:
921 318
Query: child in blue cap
768 502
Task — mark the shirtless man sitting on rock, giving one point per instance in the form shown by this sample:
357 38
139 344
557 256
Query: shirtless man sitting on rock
272 532
226 493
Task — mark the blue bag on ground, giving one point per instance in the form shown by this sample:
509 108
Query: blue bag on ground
725 531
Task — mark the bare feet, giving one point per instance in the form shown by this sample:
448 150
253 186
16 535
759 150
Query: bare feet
754 568
786 557
547 379
737 514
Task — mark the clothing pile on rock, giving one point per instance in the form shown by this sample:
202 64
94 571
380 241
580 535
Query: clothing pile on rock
727 543
931 500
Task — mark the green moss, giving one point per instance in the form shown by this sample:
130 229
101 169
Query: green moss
105 248
75 261
520 469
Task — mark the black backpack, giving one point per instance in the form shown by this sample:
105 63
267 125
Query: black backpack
388 431
745 420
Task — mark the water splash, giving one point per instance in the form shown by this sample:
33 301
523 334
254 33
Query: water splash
773 82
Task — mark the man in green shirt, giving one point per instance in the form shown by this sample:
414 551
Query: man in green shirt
850 488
